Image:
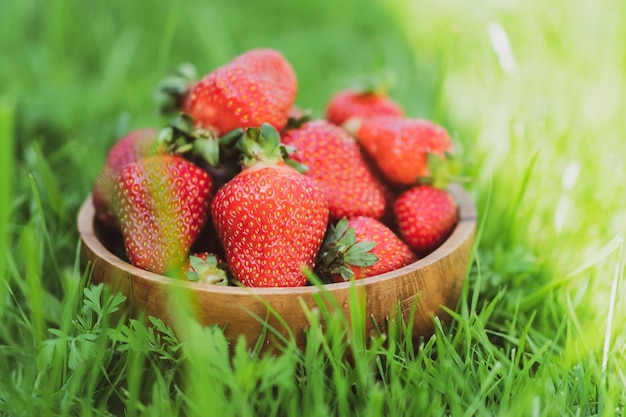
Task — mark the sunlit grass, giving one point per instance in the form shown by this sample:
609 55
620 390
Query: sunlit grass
532 90
541 109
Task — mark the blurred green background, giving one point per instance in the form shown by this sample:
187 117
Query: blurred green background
83 72
533 91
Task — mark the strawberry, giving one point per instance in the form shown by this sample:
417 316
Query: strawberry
349 103
131 147
335 161
400 146
361 247
425 216
205 268
258 86
163 204
180 137
270 218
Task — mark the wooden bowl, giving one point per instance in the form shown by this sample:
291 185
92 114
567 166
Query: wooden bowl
421 288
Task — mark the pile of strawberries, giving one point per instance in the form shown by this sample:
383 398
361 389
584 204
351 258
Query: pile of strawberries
243 188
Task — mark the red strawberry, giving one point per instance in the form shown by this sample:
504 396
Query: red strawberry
163 204
270 218
349 103
362 247
205 268
256 87
425 216
400 146
335 161
132 147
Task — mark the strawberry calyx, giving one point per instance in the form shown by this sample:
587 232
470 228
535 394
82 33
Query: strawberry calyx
183 137
262 145
171 91
341 252
444 170
288 151
206 268
178 137
298 117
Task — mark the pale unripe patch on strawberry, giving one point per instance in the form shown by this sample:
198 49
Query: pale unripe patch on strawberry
160 215
131 147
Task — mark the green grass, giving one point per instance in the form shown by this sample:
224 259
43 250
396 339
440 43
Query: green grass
539 327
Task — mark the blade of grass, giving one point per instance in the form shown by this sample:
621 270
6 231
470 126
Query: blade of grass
612 301
7 115
604 252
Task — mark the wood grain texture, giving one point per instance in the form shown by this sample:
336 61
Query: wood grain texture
422 287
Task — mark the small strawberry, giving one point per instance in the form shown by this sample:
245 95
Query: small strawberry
349 103
425 216
270 218
130 148
258 86
400 146
361 247
335 161
163 204
205 268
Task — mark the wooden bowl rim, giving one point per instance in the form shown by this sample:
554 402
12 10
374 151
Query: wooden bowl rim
462 231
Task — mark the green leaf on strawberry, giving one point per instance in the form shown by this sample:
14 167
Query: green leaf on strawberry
206 268
341 251
361 247
171 91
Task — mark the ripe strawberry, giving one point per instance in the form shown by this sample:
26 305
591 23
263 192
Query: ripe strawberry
349 103
163 204
335 161
180 137
131 147
270 218
425 216
205 268
362 247
400 146
256 87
